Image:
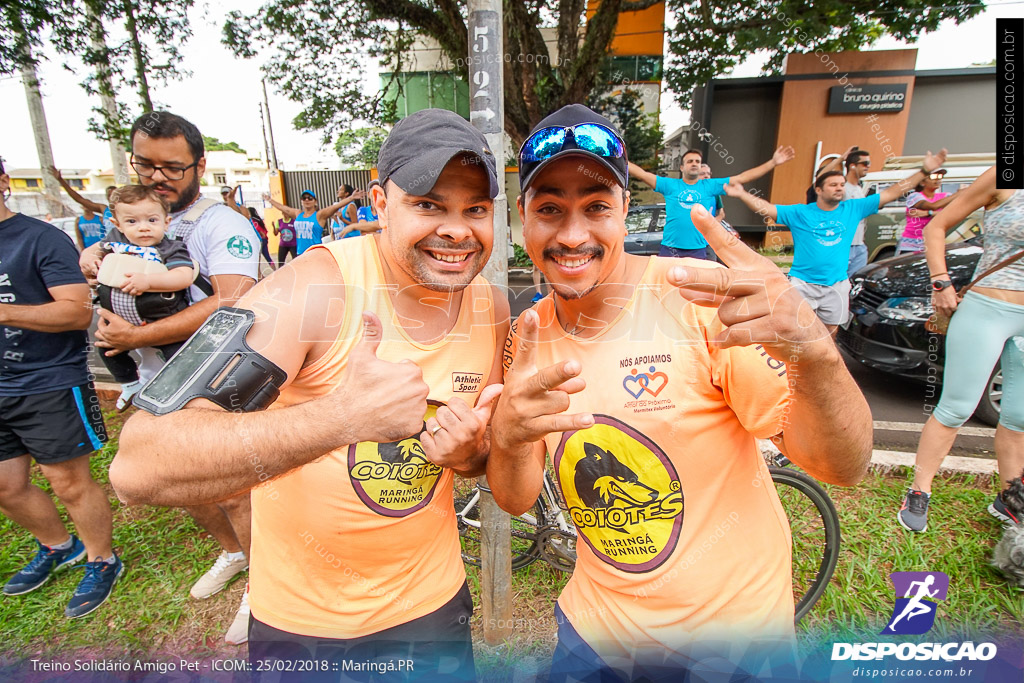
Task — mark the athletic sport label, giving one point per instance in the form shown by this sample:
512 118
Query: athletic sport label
623 494
394 479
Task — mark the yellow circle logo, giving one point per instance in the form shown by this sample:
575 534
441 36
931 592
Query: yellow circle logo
394 479
623 494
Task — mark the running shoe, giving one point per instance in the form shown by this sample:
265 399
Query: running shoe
238 632
999 510
913 515
47 562
95 587
219 576
536 297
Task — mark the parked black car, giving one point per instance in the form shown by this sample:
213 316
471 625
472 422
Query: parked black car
890 300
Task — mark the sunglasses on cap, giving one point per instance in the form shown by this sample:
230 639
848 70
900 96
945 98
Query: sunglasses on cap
589 137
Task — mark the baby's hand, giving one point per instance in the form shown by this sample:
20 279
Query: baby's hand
89 263
135 284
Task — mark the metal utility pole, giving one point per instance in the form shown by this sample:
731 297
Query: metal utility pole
266 147
118 153
40 130
487 113
270 127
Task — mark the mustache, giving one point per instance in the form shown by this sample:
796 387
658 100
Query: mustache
562 252
162 186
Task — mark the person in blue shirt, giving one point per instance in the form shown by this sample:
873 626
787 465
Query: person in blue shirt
50 414
681 238
309 220
89 229
87 204
822 234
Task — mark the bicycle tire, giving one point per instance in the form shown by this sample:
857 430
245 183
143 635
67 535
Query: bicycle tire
814 536
524 536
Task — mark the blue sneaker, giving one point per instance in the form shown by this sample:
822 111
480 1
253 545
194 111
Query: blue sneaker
94 588
47 562
536 297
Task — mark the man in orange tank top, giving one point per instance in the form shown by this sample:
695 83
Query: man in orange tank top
390 344
647 380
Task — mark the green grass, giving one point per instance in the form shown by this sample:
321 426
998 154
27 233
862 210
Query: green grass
151 613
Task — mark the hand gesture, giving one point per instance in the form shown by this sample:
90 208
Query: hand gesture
392 396
783 154
933 162
266 196
734 189
534 402
755 301
359 194
454 437
135 284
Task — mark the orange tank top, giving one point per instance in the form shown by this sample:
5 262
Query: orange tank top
365 538
681 534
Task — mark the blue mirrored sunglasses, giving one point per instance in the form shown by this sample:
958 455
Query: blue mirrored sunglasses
589 137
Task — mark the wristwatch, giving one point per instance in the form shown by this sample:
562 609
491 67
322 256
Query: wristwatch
939 285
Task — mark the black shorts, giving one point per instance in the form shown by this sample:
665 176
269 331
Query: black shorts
436 647
52 427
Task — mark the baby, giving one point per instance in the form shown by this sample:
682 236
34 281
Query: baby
140 220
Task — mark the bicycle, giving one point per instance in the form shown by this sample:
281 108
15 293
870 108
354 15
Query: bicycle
545 533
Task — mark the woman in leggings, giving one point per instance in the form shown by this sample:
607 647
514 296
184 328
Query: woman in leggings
988 326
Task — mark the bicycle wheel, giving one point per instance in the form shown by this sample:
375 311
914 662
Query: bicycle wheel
467 510
814 525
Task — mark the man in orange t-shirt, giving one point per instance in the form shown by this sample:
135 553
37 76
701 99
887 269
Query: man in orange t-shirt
386 343
647 380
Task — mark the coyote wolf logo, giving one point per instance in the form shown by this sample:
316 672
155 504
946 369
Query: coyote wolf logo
602 480
402 451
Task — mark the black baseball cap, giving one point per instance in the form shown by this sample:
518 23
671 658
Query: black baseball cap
566 117
421 145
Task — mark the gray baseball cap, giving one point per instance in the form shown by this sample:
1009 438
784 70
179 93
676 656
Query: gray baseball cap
421 145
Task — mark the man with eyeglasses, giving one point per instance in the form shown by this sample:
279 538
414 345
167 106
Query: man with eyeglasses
169 156
681 239
647 379
858 164
822 233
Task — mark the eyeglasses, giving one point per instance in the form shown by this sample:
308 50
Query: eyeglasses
589 137
170 172
865 164
937 176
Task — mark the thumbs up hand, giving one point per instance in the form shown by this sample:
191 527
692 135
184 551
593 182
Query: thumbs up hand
393 395
455 437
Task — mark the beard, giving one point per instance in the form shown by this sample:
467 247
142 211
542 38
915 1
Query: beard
185 197
418 264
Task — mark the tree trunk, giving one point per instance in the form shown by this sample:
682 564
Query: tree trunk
40 131
140 61
111 122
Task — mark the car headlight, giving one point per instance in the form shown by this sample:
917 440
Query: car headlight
916 308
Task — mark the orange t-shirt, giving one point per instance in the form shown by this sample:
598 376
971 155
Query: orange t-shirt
681 534
365 538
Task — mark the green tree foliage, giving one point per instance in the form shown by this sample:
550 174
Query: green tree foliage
360 147
134 42
710 38
640 131
215 145
319 48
